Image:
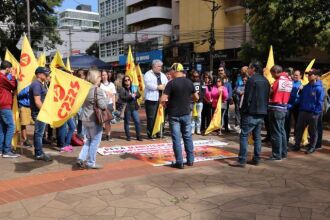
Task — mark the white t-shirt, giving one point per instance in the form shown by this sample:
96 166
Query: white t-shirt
109 87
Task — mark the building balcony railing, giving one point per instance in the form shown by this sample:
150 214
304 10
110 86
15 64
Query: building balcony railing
148 33
149 13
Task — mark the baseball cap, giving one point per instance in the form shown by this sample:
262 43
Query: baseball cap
42 70
177 67
314 72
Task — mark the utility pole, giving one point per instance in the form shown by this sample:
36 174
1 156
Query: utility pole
70 42
28 20
212 41
135 45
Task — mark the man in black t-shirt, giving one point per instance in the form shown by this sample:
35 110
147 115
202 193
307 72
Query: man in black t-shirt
177 98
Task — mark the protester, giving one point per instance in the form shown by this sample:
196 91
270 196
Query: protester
229 102
320 119
239 87
310 107
87 156
253 111
8 84
293 107
110 91
64 135
131 110
217 90
279 98
196 120
23 99
207 101
37 94
155 82
179 114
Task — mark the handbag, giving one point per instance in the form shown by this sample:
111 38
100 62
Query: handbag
101 116
76 140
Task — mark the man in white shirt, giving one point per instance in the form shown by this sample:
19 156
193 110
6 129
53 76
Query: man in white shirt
155 82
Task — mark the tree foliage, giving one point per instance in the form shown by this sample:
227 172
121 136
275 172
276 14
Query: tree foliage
14 22
93 50
293 27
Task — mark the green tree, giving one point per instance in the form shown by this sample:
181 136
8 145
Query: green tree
93 50
14 16
293 27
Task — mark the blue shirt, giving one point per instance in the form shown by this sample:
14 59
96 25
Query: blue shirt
24 97
312 97
294 96
36 89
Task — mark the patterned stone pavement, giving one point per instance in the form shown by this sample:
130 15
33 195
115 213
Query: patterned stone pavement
296 188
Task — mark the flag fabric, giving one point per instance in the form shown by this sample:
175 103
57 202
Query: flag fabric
68 65
42 60
159 120
28 65
64 98
141 86
304 80
326 81
131 70
57 61
269 65
194 112
16 68
215 123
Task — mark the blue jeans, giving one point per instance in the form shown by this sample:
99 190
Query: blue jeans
39 129
7 130
250 123
92 142
181 126
135 115
196 121
278 134
65 133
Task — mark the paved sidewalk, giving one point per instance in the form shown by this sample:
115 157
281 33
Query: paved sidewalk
296 188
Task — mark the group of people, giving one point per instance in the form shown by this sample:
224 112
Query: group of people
190 100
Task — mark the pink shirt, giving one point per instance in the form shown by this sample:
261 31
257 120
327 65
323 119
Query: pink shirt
213 95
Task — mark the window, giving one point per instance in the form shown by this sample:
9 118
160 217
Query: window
107 28
120 25
107 8
120 5
102 9
114 27
102 27
114 6
102 50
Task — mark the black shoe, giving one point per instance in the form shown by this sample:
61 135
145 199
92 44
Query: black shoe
190 164
177 165
265 140
139 139
237 164
81 164
45 141
43 157
274 159
128 139
254 162
152 138
27 143
295 148
310 150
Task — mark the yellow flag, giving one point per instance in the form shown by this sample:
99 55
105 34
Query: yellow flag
250 139
131 70
16 68
216 119
65 96
269 65
326 81
68 65
28 64
304 80
57 61
304 139
42 60
194 112
141 83
159 120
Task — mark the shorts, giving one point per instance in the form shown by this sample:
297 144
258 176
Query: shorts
25 116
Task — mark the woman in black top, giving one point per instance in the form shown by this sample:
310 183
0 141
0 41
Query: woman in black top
130 99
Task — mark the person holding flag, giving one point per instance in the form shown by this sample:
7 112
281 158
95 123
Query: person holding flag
179 112
253 111
7 127
155 82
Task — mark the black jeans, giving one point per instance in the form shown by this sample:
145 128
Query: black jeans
151 110
206 115
304 119
319 132
226 118
278 134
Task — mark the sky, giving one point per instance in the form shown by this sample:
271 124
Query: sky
71 4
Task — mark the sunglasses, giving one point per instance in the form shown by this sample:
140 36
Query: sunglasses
127 80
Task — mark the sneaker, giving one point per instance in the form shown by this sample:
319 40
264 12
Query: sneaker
237 164
43 157
27 143
310 151
96 167
139 139
177 165
128 139
198 132
67 149
254 162
10 155
81 164
274 159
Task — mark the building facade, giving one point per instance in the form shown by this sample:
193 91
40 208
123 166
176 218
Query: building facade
112 29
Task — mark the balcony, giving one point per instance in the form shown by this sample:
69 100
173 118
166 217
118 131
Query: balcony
132 2
149 13
149 33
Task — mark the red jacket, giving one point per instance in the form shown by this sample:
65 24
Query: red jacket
281 90
6 88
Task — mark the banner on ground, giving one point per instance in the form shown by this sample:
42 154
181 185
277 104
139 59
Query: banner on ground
65 96
162 153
